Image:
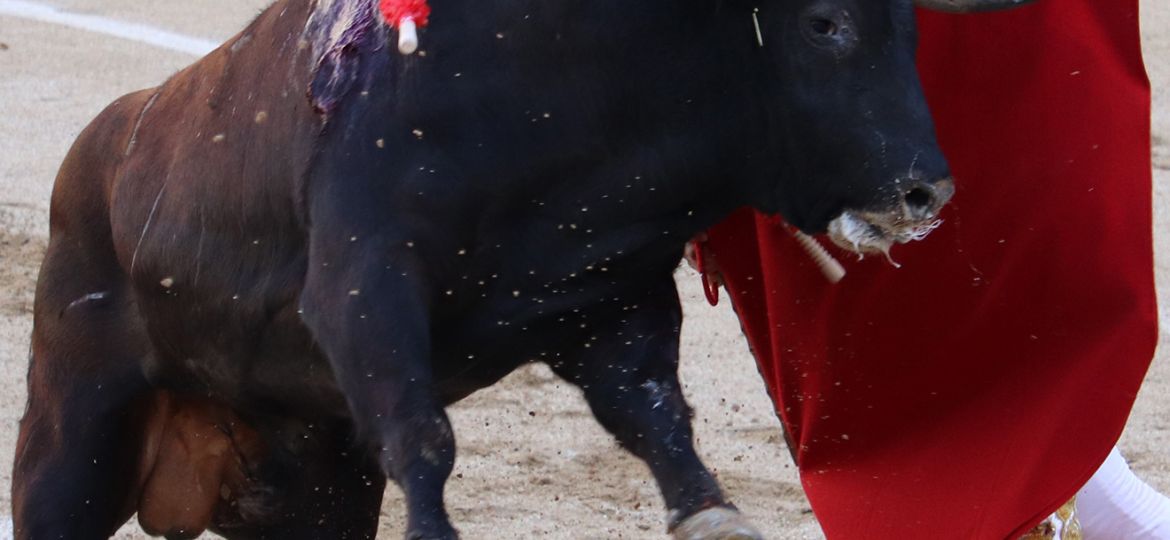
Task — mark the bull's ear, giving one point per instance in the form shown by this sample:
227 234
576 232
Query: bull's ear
970 6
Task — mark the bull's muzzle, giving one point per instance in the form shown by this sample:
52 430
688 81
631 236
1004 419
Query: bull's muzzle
911 215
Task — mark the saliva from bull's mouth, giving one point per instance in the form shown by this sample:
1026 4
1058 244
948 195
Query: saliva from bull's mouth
874 232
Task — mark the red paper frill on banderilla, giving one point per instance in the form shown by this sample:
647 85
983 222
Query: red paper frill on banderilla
395 11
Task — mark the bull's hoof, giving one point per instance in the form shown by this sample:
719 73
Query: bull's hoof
716 524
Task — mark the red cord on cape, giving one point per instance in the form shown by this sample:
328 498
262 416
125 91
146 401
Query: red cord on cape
396 10
710 285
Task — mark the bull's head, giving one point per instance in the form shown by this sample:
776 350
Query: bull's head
855 124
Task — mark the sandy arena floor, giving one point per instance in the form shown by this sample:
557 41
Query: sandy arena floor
554 473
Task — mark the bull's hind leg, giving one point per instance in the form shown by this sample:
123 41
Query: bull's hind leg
74 473
631 384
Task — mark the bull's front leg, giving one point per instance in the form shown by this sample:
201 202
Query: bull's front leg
366 308
629 376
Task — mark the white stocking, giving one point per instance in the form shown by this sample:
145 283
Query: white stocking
1117 505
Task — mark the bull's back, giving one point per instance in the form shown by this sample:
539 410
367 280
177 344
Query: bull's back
228 135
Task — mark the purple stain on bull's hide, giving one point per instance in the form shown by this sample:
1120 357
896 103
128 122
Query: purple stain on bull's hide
338 31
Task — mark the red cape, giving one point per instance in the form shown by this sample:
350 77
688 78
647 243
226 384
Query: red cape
973 391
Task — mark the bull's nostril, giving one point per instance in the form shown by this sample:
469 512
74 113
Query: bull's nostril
920 199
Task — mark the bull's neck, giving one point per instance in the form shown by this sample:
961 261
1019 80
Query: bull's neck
637 112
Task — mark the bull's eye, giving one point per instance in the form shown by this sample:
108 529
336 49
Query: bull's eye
823 27
830 28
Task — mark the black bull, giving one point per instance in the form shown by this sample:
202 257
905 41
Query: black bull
268 276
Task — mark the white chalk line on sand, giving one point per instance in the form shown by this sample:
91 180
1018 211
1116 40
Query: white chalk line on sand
140 33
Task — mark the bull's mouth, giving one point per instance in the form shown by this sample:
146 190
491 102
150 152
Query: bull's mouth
876 232
912 217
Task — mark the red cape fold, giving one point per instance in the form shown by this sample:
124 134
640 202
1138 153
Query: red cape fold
971 392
